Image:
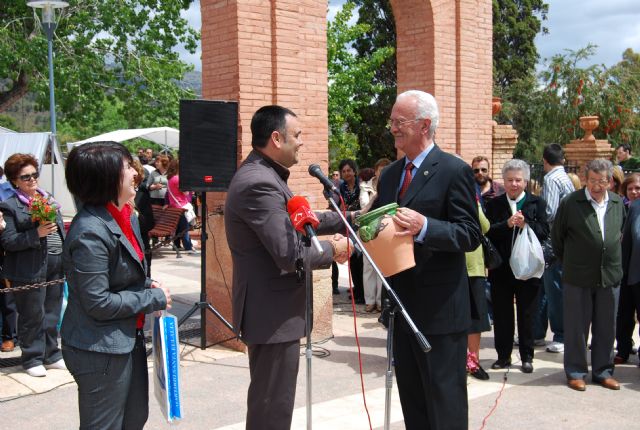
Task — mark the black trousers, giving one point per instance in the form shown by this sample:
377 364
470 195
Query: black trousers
113 389
356 264
433 385
503 290
38 316
272 392
628 308
9 316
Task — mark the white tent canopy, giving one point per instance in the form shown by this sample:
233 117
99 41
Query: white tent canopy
165 136
37 144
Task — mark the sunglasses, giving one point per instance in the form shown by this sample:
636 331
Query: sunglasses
26 178
483 170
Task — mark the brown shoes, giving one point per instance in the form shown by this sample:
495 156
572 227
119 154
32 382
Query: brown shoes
370 308
610 383
7 346
577 384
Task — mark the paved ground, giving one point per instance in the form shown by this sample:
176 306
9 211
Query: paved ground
215 383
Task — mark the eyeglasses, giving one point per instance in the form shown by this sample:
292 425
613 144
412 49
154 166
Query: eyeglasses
483 170
400 123
26 178
603 182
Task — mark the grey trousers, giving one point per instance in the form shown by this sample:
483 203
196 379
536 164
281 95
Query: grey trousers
113 389
586 307
274 372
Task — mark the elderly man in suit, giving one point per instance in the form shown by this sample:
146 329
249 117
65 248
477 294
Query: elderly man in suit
586 238
268 295
436 192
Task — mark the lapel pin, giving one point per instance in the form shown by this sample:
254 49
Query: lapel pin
426 172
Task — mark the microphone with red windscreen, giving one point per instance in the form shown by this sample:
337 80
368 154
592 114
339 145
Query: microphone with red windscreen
304 220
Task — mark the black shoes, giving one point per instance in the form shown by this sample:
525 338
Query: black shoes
480 374
527 367
502 363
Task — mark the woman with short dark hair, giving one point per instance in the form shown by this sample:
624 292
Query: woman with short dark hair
350 191
109 291
32 255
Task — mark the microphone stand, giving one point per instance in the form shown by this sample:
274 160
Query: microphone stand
305 265
393 304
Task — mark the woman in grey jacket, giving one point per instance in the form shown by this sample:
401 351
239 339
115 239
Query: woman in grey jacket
109 292
33 254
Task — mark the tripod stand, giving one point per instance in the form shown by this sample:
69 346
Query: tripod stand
203 305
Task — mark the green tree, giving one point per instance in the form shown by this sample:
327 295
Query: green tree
516 23
352 76
107 53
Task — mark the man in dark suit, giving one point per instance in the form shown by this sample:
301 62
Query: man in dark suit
268 295
436 193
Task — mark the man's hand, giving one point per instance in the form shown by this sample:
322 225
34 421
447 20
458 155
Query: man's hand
340 252
409 220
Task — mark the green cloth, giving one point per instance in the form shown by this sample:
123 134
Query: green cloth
475 258
587 260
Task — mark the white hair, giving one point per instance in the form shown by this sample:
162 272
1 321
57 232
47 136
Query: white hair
599 166
516 164
427 107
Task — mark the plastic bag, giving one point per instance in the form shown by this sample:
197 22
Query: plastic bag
527 258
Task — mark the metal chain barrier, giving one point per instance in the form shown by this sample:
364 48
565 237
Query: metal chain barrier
9 289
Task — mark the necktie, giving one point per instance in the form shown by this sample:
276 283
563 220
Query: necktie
407 180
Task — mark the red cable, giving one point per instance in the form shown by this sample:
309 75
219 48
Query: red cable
495 404
353 310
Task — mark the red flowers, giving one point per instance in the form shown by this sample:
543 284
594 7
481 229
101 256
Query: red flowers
42 210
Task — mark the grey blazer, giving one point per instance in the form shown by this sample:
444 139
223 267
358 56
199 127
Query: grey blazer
631 246
268 300
107 284
26 252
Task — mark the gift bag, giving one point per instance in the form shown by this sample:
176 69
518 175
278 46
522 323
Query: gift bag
527 259
166 366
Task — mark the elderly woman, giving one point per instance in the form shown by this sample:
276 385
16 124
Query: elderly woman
109 292
508 214
33 254
629 301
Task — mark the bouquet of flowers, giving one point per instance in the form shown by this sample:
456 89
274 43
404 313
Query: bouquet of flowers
42 209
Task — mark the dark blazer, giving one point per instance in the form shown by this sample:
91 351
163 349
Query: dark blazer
587 260
107 284
268 299
436 291
145 212
631 245
499 211
25 252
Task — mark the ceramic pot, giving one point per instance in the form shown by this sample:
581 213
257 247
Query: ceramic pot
496 106
377 231
588 124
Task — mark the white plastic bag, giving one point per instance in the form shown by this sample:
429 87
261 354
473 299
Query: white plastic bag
527 258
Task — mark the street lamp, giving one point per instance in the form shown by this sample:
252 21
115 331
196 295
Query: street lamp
49 25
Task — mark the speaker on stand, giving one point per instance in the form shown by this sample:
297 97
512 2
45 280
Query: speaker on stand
208 161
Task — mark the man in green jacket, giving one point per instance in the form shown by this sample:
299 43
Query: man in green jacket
586 238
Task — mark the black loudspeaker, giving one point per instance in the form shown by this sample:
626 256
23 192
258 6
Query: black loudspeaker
208 144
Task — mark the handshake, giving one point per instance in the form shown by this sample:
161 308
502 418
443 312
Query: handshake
342 248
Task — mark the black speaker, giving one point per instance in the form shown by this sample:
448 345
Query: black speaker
208 144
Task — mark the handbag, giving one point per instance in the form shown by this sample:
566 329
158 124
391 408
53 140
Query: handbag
492 258
189 212
527 258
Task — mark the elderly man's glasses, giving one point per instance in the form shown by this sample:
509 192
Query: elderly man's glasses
603 182
482 169
400 123
26 178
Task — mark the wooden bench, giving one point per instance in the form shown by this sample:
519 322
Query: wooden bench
166 223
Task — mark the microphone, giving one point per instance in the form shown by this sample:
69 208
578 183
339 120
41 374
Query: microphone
304 220
316 172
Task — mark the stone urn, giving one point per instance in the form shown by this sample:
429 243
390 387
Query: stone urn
588 124
496 106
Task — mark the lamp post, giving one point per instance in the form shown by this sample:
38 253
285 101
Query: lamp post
49 25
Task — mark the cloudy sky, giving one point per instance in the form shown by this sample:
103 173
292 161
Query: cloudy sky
613 25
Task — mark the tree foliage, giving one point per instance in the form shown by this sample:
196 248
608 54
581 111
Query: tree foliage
352 81
108 54
516 23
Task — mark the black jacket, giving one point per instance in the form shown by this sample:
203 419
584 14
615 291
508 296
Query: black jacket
25 253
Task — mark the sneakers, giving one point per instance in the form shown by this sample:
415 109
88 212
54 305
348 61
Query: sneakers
37 371
192 252
57 365
555 347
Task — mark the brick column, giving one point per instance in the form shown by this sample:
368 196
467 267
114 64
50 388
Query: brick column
505 138
580 152
260 53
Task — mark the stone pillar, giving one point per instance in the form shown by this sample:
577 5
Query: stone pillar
505 138
259 53
580 152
